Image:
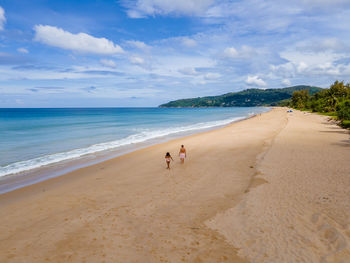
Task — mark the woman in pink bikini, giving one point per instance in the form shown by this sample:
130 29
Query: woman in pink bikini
168 158
182 154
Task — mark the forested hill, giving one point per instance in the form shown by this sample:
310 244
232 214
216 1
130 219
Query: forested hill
245 98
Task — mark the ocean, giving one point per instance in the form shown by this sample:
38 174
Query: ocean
34 138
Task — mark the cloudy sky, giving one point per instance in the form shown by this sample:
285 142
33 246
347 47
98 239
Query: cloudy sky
73 53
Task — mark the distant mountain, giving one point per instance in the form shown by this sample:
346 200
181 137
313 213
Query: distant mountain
245 98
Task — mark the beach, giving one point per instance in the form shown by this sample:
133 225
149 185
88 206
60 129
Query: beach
271 188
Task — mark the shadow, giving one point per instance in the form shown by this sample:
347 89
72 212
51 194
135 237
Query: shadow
329 123
343 143
335 128
340 132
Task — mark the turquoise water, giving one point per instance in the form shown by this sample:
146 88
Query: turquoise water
32 138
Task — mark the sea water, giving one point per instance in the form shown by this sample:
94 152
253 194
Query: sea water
34 138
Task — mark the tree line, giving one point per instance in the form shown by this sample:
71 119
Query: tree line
244 98
334 101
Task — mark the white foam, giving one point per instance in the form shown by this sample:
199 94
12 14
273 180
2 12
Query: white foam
143 136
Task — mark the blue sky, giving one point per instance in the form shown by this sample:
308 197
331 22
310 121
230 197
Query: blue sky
147 52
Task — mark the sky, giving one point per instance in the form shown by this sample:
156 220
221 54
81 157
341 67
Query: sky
122 53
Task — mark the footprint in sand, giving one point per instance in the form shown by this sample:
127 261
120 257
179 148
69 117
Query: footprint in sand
333 237
330 236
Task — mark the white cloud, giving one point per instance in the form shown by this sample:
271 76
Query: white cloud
138 44
247 51
230 52
310 64
273 14
210 76
143 8
188 71
188 42
137 60
108 63
23 50
332 43
80 42
317 44
324 3
293 69
286 82
302 66
255 80
178 43
168 65
2 18
243 52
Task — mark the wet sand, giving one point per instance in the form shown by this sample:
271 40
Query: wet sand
210 209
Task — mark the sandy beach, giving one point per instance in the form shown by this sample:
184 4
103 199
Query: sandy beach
272 188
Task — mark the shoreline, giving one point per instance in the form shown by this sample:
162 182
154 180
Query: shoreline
133 205
241 185
12 182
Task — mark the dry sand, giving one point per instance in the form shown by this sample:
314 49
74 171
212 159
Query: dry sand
302 213
273 188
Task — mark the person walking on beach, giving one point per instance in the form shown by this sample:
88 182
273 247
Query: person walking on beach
182 154
168 158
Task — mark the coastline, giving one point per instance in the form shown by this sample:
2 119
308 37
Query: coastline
12 182
131 209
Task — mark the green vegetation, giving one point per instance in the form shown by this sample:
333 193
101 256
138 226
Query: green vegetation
300 98
345 124
334 101
245 98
